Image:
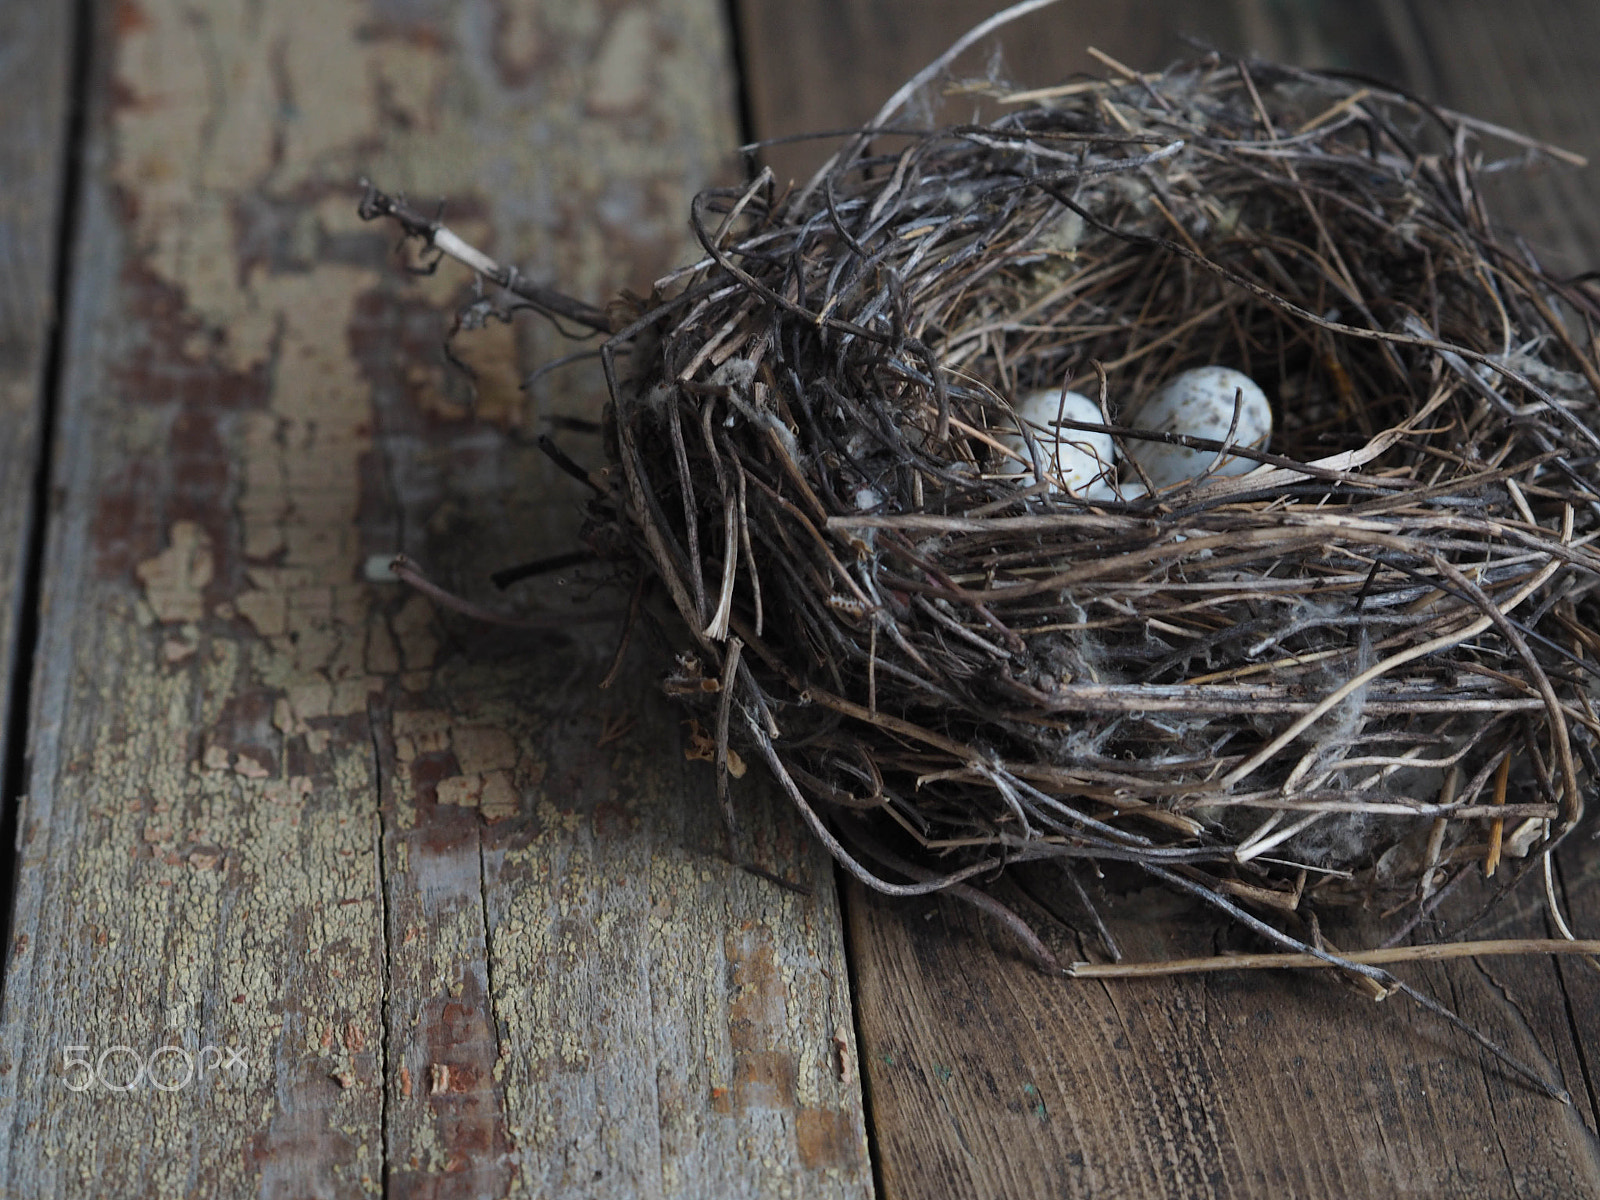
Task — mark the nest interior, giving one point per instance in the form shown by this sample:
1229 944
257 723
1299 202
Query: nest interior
1360 672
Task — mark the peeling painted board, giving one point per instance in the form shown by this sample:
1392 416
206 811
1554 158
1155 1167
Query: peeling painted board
225 863
36 47
667 1024
196 919
562 1019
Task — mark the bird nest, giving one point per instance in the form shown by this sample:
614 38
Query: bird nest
1356 673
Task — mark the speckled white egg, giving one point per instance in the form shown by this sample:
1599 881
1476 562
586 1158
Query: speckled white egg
1199 403
1083 461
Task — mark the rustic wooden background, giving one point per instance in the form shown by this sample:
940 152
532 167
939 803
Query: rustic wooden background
456 922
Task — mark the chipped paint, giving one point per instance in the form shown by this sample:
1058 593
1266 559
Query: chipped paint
422 889
175 580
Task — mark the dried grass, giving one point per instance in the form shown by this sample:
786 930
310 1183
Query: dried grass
1357 674
1316 671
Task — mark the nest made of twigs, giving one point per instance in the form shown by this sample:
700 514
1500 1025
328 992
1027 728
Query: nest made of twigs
1356 673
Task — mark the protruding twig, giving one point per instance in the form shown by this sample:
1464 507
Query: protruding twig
553 303
507 576
407 571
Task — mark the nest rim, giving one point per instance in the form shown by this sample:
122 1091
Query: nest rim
687 504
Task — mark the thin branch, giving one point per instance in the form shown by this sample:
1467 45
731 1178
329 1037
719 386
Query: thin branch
1439 952
376 204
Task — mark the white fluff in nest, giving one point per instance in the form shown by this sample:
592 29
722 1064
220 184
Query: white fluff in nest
1339 840
736 373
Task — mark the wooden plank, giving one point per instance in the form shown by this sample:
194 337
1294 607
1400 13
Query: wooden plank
672 1019
1530 68
988 1079
463 919
1533 68
36 46
830 64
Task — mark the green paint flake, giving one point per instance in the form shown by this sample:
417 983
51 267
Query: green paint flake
1039 1109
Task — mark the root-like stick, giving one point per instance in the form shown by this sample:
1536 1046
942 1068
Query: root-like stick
407 572
1041 954
935 883
561 459
635 601
730 819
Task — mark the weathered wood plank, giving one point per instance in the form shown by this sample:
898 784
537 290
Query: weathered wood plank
463 918
1532 67
36 49
830 64
987 1079
670 1019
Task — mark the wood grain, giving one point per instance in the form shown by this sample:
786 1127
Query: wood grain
1531 67
830 64
464 919
36 49
667 1020
987 1079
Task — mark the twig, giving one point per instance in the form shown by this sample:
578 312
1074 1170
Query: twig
376 204
1437 952
407 571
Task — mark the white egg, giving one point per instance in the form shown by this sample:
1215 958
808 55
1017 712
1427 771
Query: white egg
1200 403
1083 461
